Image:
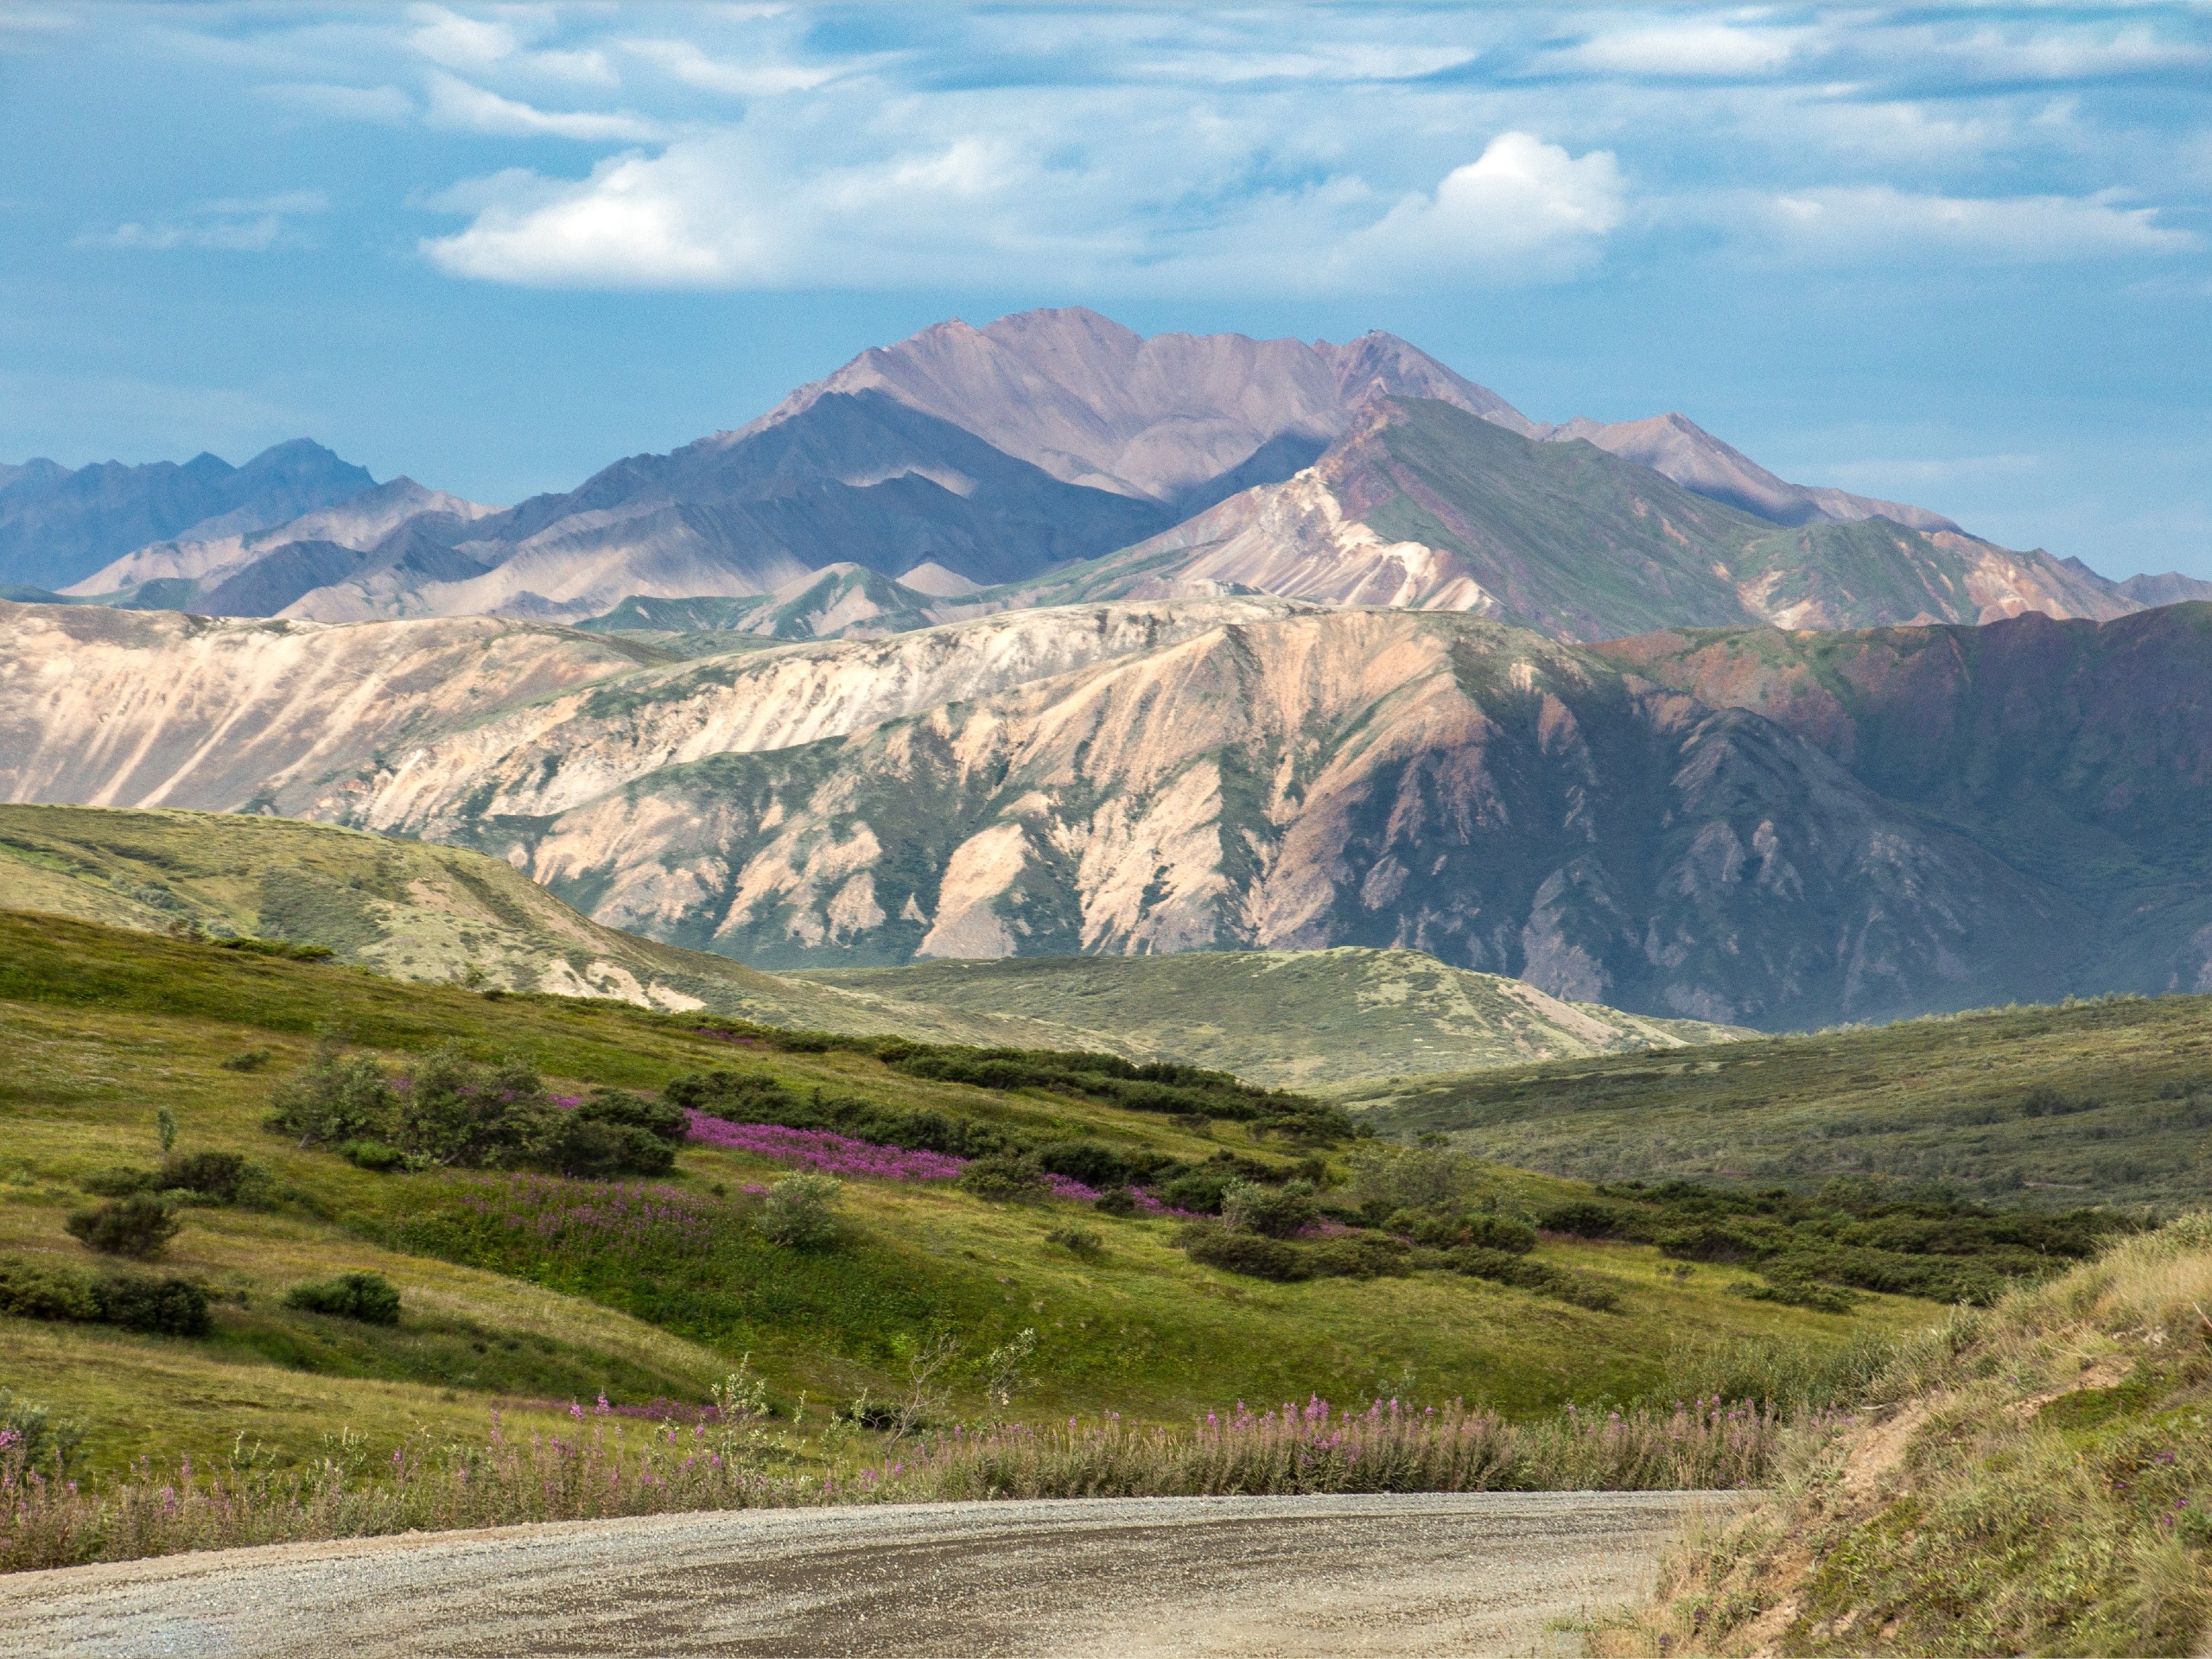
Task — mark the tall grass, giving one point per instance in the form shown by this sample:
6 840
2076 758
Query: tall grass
604 1470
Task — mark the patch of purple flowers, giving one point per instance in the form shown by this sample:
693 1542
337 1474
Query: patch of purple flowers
841 1155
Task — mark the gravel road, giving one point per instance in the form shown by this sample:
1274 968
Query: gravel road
1334 1578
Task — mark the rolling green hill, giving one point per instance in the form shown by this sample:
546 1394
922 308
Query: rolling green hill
105 1026
2107 1102
408 909
1302 1019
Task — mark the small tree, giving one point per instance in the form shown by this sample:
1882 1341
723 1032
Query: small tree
458 1112
799 1211
140 1225
165 1130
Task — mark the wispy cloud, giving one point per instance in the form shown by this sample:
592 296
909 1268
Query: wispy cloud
457 104
229 225
1690 49
1877 222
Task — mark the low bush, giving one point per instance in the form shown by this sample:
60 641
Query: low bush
1274 1212
800 1211
368 1297
613 1133
1003 1180
376 1155
1582 1218
1117 1201
1077 1241
33 1434
159 1304
140 1225
30 1291
1254 1255
288 949
1087 1161
336 1098
250 1059
1358 1255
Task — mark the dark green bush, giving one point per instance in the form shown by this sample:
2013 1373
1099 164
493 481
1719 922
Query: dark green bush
218 1177
1117 1201
140 1225
376 1155
462 1113
32 1290
288 950
368 1297
159 1304
1198 1190
1706 1242
251 1059
1004 1179
1087 1161
1254 1255
616 1133
1582 1218
1276 1211
1357 1255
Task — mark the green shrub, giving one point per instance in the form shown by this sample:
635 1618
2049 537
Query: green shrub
1358 1255
1198 1190
161 1305
140 1225
44 1441
800 1211
1706 1242
1254 1255
459 1113
377 1155
1077 1241
217 1177
368 1297
1002 1179
1087 1161
335 1098
1583 1218
1274 1212
1117 1201
30 1291
616 1133
1791 1291
251 1059
119 1181
288 949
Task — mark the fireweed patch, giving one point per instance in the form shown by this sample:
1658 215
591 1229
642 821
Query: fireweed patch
850 1159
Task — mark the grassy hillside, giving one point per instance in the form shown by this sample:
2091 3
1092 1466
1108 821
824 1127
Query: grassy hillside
1302 1019
410 910
2030 1480
2103 1101
511 1296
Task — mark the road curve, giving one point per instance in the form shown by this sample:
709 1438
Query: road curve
1340 1576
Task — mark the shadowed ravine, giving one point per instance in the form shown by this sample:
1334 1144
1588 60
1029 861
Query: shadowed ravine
1429 1575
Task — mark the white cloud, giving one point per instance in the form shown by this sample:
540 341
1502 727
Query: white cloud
1878 221
231 224
1523 203
457 42
743 207
1689 50
456 103
762 77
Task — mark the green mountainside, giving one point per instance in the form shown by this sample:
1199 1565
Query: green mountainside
1303 1019
2106 1102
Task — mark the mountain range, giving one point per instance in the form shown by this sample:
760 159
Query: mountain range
58 527
1756 827
1057 456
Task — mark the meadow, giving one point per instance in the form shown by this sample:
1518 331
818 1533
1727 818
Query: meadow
2103 1101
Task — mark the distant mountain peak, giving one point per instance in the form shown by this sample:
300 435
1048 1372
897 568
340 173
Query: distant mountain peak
1096 403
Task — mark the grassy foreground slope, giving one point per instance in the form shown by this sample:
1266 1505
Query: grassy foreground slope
409 909
2103 1101
2036 1479
1299 1018
105 1026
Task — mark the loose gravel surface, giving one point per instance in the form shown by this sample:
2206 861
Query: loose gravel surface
1333 1578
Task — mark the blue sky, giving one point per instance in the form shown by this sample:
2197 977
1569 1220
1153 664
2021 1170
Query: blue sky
1957 255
